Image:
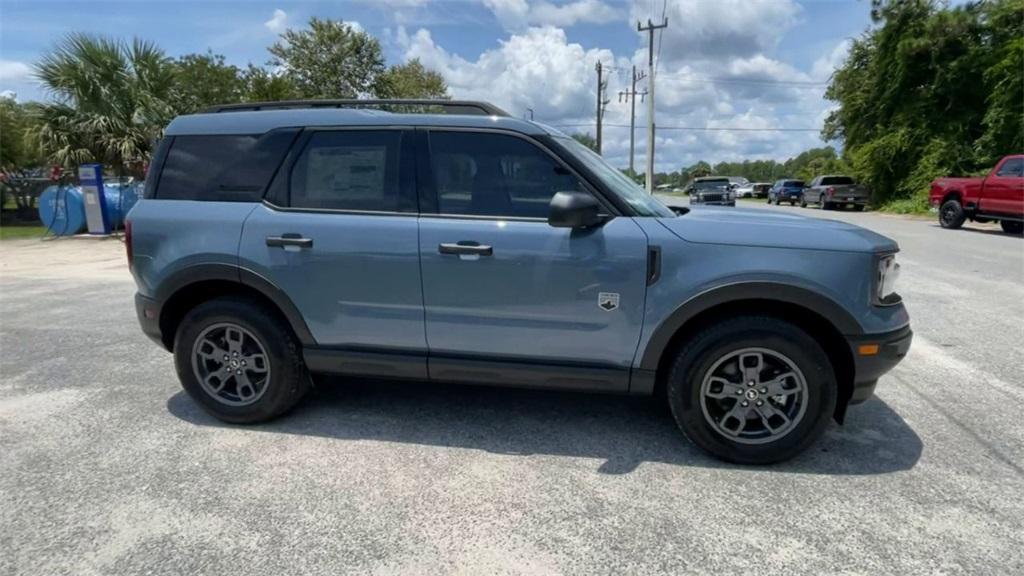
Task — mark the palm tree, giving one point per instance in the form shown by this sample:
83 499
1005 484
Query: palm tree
110 101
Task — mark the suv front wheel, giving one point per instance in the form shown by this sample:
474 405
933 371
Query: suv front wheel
752 390
239 361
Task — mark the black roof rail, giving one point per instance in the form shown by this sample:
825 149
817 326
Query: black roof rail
466 107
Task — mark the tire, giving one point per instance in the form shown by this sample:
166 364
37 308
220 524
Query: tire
712 350
225 324
1012 227
951 214
803 202
792 202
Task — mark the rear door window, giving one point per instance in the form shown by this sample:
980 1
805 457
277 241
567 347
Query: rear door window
222 168
358 170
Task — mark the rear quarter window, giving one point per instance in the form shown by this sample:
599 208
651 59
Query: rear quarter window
222 168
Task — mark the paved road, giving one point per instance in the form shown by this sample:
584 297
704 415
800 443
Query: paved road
107 468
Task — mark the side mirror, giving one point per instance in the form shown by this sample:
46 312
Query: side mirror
574 210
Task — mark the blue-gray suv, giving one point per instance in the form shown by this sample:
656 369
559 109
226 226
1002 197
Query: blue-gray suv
447 241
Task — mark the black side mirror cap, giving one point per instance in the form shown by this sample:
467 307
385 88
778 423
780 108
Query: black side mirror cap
574 210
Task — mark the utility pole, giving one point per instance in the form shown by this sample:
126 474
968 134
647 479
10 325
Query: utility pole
650 28
630 96
601 102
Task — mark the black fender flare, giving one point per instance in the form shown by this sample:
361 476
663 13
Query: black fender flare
208 271
821 305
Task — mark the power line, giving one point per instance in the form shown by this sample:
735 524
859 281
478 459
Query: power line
719 80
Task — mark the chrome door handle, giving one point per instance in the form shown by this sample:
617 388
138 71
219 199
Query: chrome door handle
465 247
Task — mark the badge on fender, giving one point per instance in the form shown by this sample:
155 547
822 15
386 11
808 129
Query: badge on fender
608 301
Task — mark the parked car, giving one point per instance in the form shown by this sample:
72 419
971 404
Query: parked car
791 191
753 190
835 191
737 181
761 189
711 190
996 197
285 241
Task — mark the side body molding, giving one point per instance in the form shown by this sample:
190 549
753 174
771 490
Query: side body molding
844 322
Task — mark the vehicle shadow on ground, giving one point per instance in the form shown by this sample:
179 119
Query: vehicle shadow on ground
623 431
996 231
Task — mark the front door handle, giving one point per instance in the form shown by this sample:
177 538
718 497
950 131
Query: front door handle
466 247
290 239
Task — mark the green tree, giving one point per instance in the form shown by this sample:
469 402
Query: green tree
19 156
410 80
330 59
258 85
18 150
586 139
203 80
111 100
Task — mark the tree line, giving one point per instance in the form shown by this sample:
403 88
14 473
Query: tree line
110 99
930 91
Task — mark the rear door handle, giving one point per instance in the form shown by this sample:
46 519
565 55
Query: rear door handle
290 239
465 247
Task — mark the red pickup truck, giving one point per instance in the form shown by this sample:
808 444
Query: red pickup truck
998 196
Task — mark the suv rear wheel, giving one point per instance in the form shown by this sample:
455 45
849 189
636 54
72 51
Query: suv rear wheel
752 390
239 361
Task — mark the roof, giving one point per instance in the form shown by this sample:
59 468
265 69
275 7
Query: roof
258 122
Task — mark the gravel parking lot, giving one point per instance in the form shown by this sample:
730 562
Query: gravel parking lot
106 467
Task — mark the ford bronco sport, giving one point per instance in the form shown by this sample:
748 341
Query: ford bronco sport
276 241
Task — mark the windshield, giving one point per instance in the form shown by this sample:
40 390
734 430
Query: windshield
710 184
629 191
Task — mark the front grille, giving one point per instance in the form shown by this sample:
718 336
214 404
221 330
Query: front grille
712 197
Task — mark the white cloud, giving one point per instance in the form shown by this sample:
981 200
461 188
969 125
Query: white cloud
721 28
827 64
14 70
9 94
518 14
278 22
536 69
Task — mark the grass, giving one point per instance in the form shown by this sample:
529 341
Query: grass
11 232
916 205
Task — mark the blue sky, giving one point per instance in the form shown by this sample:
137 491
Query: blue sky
723 63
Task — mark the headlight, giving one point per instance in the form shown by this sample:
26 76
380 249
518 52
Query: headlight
885 281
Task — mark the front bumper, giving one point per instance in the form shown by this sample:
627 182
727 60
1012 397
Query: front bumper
147 310
873 356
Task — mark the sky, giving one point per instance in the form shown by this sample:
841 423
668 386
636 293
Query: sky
751 64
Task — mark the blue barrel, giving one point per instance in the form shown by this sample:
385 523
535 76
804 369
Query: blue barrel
61 210
120 200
